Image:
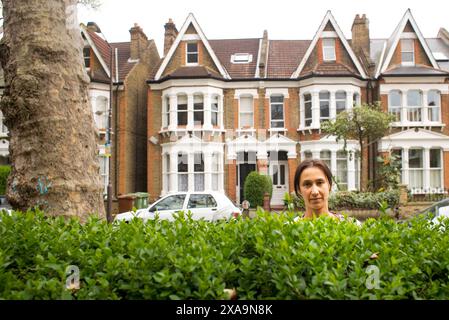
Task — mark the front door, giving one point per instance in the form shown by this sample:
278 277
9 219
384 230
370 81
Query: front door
278 171
244 170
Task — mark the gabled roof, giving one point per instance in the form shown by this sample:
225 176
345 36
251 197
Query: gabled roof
100 48
392 43
329 18
191 20
121 65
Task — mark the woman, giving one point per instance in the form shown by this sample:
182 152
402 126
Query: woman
313 182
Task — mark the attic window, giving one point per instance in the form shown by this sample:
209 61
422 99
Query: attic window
192 52
329 49
241 58
407 52
86 54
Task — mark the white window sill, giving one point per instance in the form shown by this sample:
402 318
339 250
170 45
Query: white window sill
277 130
197 129
309 129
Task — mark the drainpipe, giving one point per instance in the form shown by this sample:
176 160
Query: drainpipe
372 146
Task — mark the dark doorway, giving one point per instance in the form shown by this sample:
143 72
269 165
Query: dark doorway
244 169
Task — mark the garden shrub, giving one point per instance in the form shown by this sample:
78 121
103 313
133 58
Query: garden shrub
269 257
4 173
254 188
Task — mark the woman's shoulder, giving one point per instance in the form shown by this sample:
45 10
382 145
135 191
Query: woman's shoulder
346 218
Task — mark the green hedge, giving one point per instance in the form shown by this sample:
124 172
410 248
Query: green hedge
269 257
351 200
254 188
4 173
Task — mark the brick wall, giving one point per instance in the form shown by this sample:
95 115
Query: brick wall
154 152
292 113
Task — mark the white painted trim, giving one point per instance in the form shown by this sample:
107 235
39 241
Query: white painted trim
385 88
408 35
97 53
190 37
414 139
255 84
257 74
246 92
397 35
329 17
276 91
250 58
379 65
329 34
191 20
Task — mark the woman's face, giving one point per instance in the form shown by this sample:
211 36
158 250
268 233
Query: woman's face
314 188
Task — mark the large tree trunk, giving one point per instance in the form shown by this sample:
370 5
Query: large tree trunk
53 146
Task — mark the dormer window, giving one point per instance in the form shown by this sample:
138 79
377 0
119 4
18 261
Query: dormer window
86 54
407 52
329 49
241 58
192 52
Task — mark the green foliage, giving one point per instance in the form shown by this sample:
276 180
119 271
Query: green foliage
269 257
360 123
389 174
4 173
255 186
351 200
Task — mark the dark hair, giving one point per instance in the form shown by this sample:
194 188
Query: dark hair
309 163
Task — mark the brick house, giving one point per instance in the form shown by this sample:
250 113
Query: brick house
131 64
223 108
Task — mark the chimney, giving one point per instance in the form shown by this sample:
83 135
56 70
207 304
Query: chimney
360 35
139 42
263 55
170 35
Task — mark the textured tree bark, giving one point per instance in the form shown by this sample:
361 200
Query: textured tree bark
46 107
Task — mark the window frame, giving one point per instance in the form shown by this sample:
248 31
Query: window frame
198 111
408 63
200 172
192 53
183 111
182 173
322 119
333 55
437 107
246 112
411 109
282 104
337 100
305 110
390 107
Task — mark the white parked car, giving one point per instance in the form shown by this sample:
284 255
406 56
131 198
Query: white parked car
210 206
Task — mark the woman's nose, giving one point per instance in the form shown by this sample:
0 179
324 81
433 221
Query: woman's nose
314 189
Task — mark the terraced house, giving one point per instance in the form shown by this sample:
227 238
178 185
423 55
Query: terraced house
219 109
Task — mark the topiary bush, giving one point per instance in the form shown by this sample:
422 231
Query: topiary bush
4 173
268 257
254 188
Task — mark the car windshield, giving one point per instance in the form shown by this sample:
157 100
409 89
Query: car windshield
201 201
174 202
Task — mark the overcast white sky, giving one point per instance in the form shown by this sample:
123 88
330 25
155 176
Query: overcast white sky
284 19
